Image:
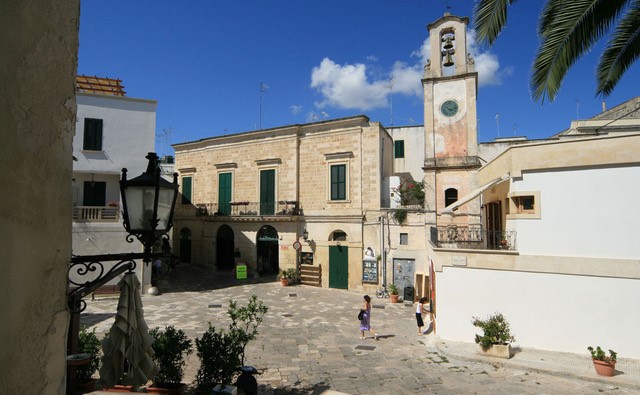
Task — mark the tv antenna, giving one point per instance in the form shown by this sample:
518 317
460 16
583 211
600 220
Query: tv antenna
390 86
263 89
498 123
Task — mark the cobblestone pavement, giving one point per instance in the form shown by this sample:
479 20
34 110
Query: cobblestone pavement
309 342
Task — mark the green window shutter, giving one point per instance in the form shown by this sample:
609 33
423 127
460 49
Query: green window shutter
399 149
187 189
92 134
267 192
224 193
94 193
338 182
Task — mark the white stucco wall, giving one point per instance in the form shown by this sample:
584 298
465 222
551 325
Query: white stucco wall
546 311
585 213
128 134
413 137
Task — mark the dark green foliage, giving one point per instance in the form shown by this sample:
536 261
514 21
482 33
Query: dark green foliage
599 354
88 343
219 355
496 331
170 348
400 215
411 193
221 352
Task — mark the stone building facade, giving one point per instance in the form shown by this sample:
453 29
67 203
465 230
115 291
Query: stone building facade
255 196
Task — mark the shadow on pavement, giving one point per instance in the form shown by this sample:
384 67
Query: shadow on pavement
316 389
191 278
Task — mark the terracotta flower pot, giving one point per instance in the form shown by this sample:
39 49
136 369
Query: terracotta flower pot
284 282
603 368
394 298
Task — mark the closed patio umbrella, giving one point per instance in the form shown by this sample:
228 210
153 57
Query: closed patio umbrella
128 338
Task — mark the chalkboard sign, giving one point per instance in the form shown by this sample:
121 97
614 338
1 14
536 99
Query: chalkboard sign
370 271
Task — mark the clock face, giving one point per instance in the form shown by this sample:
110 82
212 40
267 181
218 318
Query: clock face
449 108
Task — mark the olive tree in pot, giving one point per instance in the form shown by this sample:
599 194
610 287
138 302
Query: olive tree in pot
496 338
170 348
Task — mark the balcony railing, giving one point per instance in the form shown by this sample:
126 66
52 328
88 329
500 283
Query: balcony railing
96 213
282 207
473 237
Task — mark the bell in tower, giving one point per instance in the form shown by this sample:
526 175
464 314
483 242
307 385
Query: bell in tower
447 49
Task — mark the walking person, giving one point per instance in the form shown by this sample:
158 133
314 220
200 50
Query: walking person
365 322
419 310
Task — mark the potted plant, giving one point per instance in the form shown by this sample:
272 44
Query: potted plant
496 338
393 293
287 276
88 343
170 348
604 365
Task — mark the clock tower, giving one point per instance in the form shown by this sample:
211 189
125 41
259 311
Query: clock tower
450 87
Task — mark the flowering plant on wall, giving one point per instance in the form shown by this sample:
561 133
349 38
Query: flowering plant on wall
113 203
411 193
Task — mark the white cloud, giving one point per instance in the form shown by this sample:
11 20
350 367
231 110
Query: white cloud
348 86
296 109
371 58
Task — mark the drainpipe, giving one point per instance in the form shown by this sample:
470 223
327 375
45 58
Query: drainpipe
382 254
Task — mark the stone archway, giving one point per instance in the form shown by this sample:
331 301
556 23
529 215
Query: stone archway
225 245
267 250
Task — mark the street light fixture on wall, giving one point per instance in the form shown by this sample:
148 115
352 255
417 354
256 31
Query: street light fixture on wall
305 234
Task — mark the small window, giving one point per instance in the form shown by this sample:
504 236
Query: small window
92 135
404 239
524 204
339 236
450 196
338 182
187 189
398 149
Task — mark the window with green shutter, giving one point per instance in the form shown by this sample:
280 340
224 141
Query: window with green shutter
338 182
399 148
267 192
92 134
187 189
224 193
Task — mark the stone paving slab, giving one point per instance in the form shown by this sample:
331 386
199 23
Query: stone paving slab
308 344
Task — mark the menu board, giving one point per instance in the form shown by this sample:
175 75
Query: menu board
370 271
306 258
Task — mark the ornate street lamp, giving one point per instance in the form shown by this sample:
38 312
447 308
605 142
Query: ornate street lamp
148 201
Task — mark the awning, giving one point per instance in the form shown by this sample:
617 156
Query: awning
475 193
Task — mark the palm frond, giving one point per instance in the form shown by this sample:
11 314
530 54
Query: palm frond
622 51
568 29
490 17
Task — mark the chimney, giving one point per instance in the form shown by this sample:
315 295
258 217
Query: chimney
604 106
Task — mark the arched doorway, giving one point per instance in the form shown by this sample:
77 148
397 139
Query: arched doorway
185 245
267 246
224 248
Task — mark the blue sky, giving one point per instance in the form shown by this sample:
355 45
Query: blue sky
204 62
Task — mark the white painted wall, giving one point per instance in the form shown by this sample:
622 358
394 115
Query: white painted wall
584 213
413 160
128 134
546 311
